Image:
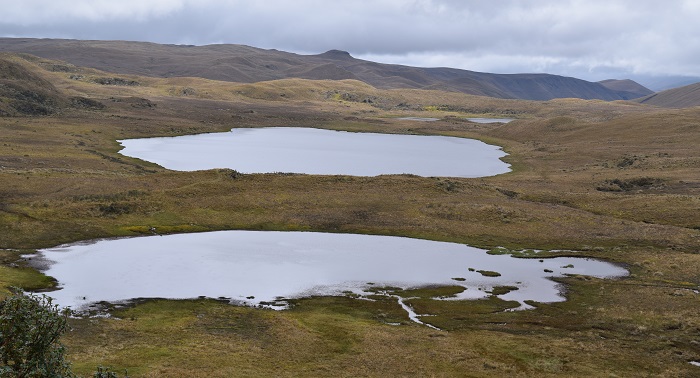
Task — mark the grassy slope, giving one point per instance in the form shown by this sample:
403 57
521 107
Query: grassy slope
685 96
64 181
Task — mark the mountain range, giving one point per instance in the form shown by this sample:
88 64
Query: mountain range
245 64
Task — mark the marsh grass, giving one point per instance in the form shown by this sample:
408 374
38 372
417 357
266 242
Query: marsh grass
488 273
15 271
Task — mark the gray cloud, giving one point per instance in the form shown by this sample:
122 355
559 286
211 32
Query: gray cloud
583 38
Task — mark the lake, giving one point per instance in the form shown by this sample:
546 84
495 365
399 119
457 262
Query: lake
321 152
250 267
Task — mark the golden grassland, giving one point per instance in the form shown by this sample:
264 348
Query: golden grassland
618 181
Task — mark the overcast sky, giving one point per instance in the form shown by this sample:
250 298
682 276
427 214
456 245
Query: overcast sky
589 39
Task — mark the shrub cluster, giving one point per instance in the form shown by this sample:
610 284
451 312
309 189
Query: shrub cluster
30 328
620 185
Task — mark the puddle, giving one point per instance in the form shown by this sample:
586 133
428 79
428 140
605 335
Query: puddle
260 267
322 152
695 363
491 120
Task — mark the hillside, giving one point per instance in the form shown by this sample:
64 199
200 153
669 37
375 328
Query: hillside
245 64
630 87
23 92
683 97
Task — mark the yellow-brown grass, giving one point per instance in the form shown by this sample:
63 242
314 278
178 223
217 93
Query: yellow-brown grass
62 180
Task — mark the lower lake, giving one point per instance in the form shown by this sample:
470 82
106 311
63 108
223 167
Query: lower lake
254 267
322 152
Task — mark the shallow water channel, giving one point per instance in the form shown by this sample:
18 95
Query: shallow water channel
263 267
324 152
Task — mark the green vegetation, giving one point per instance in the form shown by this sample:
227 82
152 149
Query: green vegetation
64 181
15 272
501 290
106 372
30 328
489 273
618 185
525 253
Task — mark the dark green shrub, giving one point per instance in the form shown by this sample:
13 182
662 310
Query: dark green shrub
30 326
105 372
621 185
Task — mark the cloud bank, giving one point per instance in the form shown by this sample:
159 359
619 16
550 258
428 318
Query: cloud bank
591 39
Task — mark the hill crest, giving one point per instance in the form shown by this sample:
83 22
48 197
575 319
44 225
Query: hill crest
246 64
683 97
629 87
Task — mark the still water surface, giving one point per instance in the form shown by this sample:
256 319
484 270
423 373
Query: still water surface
253 266
491 120
323 152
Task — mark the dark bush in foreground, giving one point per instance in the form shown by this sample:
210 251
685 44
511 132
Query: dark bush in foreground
30 326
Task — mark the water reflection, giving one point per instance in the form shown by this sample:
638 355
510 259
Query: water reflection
253 267
324 152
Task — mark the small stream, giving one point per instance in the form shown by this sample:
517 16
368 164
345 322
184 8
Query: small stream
412 314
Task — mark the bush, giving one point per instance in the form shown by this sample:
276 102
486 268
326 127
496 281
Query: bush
30 326
105 372
620 185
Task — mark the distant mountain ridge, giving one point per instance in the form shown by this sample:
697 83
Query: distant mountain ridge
629 87
683 97
245 64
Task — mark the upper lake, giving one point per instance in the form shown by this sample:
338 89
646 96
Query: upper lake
322 152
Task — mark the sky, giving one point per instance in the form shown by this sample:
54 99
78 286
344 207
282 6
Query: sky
588 39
